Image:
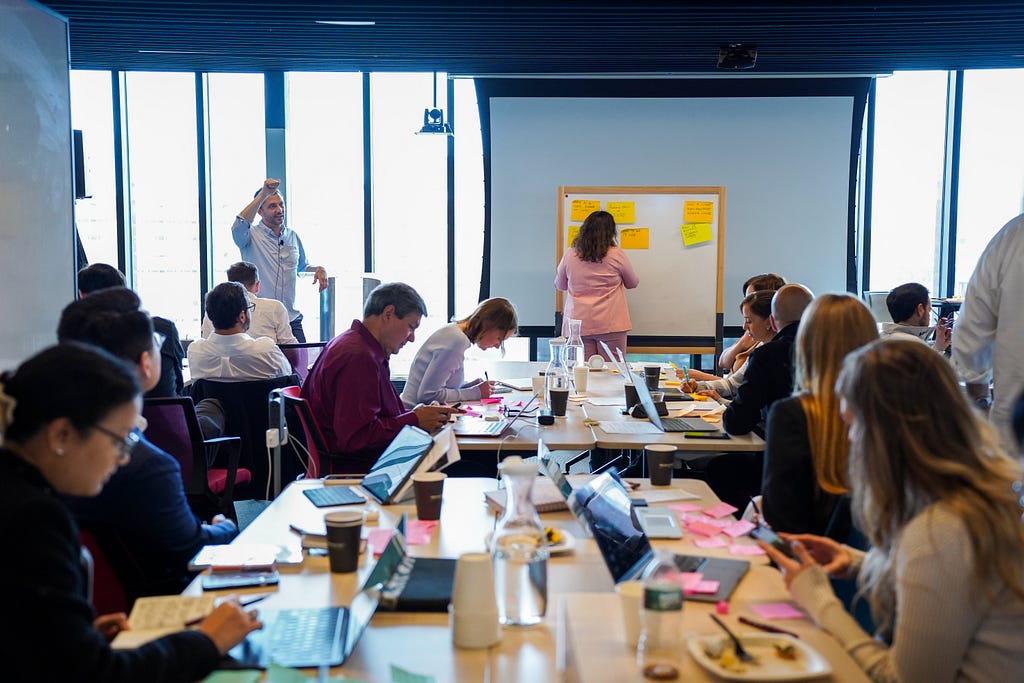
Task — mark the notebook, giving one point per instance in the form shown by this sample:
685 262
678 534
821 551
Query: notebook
479 427
389 481
667 424
606 508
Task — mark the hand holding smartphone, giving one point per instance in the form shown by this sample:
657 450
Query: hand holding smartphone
763 533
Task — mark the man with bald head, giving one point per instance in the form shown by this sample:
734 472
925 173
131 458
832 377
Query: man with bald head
769 373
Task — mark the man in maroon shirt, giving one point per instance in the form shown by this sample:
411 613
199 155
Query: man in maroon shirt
349 388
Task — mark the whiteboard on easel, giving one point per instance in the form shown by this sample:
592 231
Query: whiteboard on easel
674 238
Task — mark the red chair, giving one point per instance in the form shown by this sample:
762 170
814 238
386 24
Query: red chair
301 415
174 428
106 593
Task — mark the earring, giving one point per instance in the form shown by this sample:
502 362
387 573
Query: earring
60 452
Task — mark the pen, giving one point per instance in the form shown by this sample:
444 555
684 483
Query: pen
242 603
767 627
754 503
686 374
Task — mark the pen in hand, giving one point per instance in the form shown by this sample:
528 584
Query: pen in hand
241 603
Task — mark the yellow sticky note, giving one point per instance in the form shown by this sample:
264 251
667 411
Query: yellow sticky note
574 230
698 212
581 208
634 238
696 233
622 212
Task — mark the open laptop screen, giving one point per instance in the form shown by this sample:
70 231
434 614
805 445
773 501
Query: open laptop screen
605 506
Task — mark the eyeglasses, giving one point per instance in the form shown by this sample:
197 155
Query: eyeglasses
125 444
251 307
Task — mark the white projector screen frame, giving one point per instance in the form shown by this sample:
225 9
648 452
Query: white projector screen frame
787 161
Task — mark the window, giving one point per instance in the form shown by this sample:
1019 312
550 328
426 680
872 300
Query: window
238 159
469 198
410 216
991 163
162 168
92 113
910 125
325 186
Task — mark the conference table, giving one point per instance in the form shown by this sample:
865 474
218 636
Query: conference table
574 432
581 637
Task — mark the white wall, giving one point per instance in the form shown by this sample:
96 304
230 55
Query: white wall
36 195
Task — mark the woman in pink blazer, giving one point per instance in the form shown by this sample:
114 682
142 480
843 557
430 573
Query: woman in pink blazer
596 274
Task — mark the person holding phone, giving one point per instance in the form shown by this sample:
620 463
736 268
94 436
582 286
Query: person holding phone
595 273
68 417
939 502
437 371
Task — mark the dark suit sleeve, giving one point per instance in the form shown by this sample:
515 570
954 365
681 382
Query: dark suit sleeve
744 413
52 636
789 486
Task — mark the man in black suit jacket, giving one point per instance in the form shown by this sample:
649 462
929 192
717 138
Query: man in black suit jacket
769 374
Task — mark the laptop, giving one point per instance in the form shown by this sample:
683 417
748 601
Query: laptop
606 508
667 424
479 427
307 637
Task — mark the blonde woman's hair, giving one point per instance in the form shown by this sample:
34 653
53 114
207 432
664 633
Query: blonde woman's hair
831 327
916 441
491 314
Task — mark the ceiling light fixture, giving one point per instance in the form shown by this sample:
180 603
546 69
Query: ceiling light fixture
328 22
433 118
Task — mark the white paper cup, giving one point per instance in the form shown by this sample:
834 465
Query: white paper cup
473 586
580 375
631 595
473 631
538 387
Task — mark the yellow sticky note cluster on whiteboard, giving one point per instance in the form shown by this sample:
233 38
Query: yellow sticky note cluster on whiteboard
574 230
698 212
622 212
696 233
581 208
635 238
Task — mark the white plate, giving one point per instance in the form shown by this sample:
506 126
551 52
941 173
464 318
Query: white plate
566 547
769 666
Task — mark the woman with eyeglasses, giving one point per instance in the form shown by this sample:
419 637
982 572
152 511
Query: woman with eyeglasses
67 417
939 503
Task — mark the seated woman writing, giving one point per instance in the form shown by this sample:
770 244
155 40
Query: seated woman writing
67 417
940 505
437 371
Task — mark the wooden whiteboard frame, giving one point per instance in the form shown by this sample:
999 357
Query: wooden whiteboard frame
660 345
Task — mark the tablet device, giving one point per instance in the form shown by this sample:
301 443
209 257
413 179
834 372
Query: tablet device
390 478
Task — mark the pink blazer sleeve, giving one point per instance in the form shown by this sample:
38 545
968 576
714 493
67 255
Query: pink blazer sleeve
562 276
629 276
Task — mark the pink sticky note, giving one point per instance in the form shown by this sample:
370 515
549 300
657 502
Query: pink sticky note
737 549
737 529
378 539
491 401
702 528
713 542
704 587
777 610
418 531
683 508
689 579
720 510
720 523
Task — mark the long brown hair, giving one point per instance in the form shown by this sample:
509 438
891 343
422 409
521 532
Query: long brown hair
596 235
831 327
916 441
491 314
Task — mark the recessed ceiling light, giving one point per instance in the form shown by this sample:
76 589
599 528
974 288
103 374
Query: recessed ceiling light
345 23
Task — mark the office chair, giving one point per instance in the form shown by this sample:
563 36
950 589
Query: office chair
308 430
174 428
105 591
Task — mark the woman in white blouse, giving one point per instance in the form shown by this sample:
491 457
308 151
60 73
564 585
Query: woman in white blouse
437 373
939 503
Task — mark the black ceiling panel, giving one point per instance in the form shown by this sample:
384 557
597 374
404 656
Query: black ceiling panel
531 37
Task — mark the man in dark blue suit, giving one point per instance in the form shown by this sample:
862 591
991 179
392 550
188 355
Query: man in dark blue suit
769 374
141 519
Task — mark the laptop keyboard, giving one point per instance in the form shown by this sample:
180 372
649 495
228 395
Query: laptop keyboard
682 424
333 495
305 637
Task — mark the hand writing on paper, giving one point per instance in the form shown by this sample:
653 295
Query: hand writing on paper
432 418
109 625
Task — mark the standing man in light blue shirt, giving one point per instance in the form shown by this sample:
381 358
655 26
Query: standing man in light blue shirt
275 249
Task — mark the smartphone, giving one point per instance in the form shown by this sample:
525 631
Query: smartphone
763 533
223 580
706 435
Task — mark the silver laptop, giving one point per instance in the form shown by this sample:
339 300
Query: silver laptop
479 427
667 424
